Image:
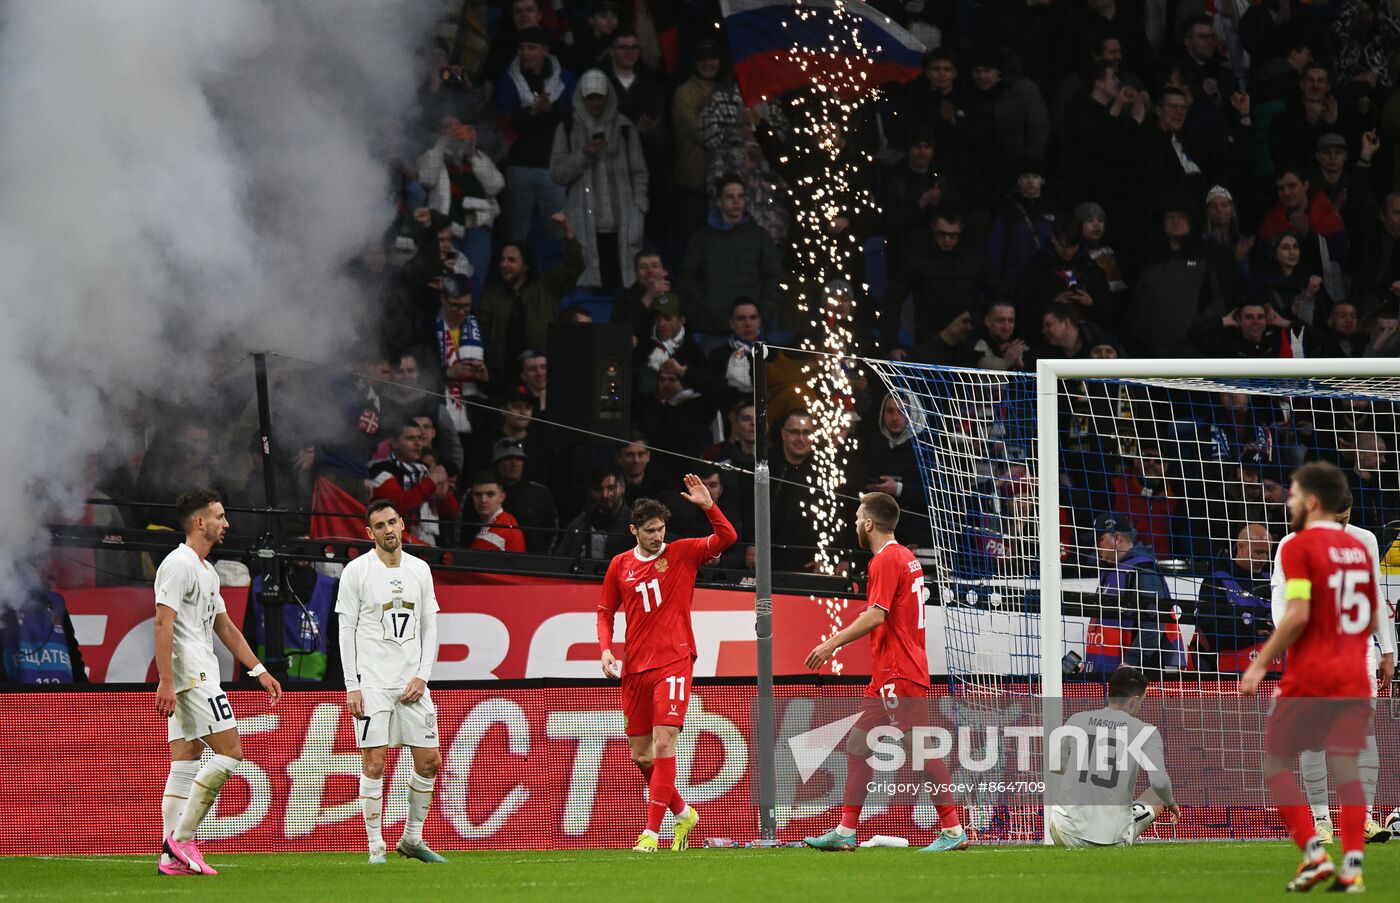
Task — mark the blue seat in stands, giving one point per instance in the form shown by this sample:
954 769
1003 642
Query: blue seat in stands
597 302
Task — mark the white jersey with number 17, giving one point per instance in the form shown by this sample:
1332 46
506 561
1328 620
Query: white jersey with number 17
389 609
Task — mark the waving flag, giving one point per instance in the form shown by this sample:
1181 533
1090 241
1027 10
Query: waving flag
780 45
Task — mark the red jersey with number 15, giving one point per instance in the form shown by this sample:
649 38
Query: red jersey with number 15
896 584
1333 569
655 593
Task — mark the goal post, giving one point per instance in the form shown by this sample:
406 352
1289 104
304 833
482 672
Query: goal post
1098 513
1308 374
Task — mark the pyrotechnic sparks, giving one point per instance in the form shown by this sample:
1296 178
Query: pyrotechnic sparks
826 201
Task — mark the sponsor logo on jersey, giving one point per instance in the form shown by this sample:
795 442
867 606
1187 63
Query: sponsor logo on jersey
396 586
661 565
630 578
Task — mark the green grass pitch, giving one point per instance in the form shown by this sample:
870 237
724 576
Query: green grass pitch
1155 871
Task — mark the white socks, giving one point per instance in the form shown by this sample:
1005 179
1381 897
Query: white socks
204 790
1368 763
420 800
1312 766
177 793
372 805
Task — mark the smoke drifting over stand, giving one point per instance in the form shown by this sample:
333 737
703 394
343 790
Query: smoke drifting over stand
179 183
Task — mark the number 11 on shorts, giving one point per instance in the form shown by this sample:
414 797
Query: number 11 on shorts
676 686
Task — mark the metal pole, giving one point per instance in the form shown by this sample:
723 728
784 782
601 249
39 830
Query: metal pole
763 601
1052 630
270 564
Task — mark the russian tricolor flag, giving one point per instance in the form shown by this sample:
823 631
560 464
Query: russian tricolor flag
781 45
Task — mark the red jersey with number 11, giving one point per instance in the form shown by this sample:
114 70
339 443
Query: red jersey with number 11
896 584
655 594
1333 570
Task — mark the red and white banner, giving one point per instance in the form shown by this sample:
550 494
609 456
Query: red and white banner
505 629
532 768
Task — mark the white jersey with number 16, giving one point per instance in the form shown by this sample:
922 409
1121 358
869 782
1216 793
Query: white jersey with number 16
190 585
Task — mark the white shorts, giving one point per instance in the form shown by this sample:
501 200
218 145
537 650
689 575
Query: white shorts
389 722
200 711
1070 842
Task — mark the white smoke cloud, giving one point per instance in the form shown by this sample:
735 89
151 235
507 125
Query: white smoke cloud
179 182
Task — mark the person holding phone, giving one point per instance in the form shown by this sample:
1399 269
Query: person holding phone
598 159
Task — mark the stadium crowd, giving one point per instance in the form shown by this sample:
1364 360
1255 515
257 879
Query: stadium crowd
1065 178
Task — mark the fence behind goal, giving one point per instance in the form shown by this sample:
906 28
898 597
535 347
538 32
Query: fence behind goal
1166 487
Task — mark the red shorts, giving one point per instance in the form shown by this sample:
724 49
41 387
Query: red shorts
1338 724
898 703
656 697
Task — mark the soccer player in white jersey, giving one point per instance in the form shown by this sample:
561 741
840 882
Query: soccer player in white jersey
189 614
1312 764
1095 806
388 644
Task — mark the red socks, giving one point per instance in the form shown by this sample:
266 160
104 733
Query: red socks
662 787
949 815
1288 799
677 805
858 775
1353 820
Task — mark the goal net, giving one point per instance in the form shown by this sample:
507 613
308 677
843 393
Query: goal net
1103 513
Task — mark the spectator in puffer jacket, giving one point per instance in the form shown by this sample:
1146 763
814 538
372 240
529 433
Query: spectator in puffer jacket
728 258
533 95
1022 227
1177 285
597 157
1006 121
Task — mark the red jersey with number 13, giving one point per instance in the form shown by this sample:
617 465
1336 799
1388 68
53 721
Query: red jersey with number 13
1334 570
655 593
896 584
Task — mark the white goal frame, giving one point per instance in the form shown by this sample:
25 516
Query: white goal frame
1048 376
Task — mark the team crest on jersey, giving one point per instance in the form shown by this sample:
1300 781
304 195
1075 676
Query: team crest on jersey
661 565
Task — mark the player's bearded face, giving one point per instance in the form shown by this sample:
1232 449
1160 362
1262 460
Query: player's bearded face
862 534
215 524
651 535
387 533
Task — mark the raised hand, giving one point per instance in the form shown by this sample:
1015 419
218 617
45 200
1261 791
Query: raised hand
696 493
1370 143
